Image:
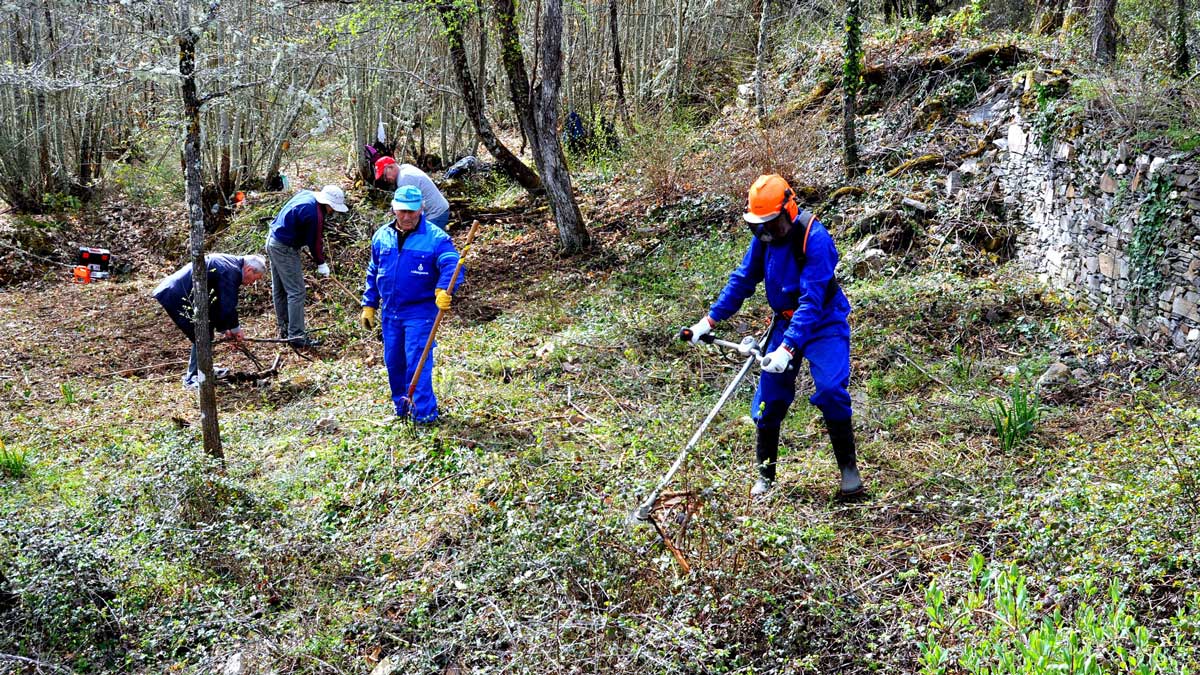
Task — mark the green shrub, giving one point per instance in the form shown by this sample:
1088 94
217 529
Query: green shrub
55 202
148 184
14 462
998 627
1014 421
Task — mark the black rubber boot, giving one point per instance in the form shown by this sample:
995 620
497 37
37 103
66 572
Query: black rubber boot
766 454
841 437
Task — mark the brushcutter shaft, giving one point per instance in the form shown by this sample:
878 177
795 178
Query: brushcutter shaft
748 346
643 512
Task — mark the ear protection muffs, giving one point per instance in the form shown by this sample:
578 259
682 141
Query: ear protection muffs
789 205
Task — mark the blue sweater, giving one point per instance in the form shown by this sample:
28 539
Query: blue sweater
404 271
224 281
301 223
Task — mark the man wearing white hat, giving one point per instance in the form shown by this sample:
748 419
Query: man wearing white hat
300 223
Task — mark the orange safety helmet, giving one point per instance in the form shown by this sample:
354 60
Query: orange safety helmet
769 195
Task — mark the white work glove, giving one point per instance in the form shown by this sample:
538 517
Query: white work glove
323 269
703 327
777 361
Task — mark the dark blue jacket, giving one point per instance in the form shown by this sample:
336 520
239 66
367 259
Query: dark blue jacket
807 292
402 276
224 281
301 223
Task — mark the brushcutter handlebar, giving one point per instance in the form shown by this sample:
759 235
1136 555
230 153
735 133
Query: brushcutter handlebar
685 334
746 347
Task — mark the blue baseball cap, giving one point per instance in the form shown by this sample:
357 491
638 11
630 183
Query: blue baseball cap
407 198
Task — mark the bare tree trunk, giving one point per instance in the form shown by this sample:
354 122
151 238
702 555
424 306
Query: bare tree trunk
538 112
852 73
1049 16
760 60
680 11
453 18
1183 58
1104 32
280 141
892 10
225 175
481 78
552 164
618 71
188 36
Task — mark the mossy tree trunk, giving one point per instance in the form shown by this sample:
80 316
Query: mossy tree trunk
454 17
852 76
1183 58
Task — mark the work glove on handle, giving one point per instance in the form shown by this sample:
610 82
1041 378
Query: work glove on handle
323 269
777 361
703 327
235 334
368 319
442 299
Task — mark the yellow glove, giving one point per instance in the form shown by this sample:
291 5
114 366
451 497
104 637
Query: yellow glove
442 299
368 319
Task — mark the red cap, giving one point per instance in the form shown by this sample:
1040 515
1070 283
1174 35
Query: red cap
381 164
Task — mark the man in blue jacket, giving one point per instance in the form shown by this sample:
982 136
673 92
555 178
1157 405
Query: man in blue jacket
226 275
411 266
795 256
300 223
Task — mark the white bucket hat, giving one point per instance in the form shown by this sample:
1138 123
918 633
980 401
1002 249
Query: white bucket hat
332 196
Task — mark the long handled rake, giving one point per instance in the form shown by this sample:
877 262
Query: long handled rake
437 322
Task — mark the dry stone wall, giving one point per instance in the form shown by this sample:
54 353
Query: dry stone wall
1102 221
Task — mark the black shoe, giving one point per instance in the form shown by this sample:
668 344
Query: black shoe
305 341
841 437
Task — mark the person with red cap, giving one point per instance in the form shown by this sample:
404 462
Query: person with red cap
436 209
794 256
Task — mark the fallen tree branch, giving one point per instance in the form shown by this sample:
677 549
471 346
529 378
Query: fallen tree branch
130 371
34 662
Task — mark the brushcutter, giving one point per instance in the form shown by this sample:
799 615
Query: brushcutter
437 322
749 347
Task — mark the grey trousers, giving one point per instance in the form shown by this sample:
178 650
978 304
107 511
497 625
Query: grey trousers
287 288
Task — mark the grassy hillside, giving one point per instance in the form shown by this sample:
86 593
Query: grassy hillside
499 540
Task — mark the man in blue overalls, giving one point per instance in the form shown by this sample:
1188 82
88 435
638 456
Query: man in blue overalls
795 256
407 280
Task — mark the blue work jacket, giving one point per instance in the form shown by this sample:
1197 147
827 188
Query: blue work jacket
811 292
404 272
224 282
300 223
